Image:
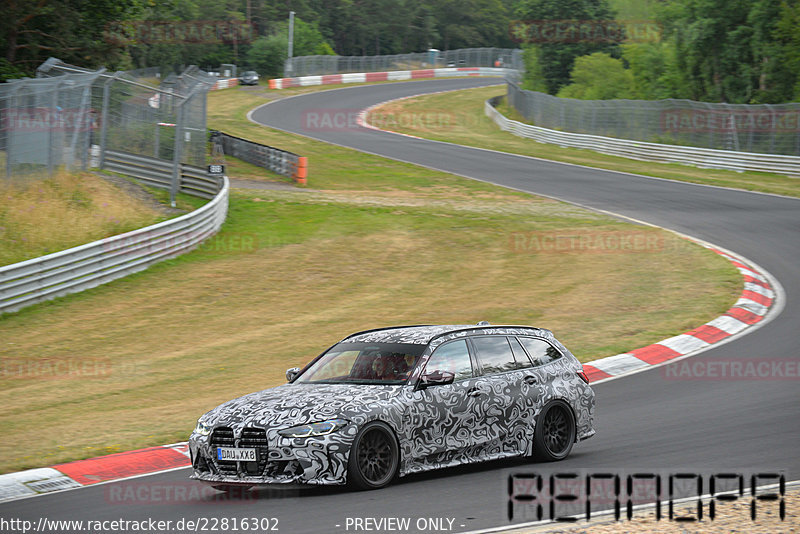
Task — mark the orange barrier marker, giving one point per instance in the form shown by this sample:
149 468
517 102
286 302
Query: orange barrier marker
301 171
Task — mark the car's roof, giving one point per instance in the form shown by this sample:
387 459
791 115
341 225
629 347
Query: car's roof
424 334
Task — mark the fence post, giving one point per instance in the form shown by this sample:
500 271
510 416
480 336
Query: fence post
104 114
176 153
53 108
86 123
15 107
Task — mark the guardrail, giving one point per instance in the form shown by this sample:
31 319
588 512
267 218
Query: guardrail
699 157
158 173
274 159
99 262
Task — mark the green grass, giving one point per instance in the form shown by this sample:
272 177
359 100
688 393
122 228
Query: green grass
377 242
463 121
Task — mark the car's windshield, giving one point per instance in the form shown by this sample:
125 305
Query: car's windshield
251 73
364 363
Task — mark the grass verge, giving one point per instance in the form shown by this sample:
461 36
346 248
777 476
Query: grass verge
44 215
290 273
458 117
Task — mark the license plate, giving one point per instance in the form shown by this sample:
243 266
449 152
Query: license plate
231 454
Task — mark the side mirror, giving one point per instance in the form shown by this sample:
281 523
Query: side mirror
435 378
292 373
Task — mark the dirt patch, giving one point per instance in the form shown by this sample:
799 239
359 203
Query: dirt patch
134 189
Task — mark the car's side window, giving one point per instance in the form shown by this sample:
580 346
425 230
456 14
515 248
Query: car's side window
452 357
540 351
494 353
522 359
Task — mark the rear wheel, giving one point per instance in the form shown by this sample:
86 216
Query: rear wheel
374 457
555 432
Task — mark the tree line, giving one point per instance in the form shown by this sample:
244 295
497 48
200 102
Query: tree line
739 51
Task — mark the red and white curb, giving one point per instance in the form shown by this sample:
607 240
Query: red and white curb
754 304
389 76
93 471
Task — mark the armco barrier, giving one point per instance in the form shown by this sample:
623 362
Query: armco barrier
399 75
158 173
99 262
698 157
274 159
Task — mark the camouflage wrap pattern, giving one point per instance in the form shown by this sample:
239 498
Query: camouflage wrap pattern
481 418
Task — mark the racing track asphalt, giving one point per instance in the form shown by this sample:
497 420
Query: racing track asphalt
644 422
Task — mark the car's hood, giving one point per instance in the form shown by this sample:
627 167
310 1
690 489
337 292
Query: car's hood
293 404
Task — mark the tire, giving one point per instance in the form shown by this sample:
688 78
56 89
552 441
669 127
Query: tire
554 433
374 457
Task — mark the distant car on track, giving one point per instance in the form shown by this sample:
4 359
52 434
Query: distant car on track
395 401
249 77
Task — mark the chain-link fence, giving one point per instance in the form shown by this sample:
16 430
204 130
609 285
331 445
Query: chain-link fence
510 58
47 123
764 128
68 117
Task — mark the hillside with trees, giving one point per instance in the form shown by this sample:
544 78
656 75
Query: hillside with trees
739 51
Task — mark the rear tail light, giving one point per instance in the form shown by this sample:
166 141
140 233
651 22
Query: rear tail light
583 376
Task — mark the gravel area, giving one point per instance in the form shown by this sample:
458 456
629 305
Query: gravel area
266 184
134 189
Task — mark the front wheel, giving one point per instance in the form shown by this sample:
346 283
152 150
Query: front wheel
374 457
554 434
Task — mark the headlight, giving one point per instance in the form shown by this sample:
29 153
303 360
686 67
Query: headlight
314 429
202 429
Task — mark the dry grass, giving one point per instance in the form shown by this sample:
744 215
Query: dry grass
41 216
458 117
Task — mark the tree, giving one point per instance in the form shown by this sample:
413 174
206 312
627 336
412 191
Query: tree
556 57
655 71
599 77
728 51
788 37
268 53
31 31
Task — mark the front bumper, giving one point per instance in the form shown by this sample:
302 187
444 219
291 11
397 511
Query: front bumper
318 460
